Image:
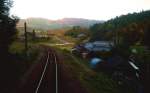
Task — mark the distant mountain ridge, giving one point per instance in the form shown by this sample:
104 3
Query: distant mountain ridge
46 24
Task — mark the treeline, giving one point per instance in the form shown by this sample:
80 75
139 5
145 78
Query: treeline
126 29
76 31
7 26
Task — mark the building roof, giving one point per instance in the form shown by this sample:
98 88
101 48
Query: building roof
99 46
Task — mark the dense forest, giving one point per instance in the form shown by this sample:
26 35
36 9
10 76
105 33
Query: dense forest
122 29
76 31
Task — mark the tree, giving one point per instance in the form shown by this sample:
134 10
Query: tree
75 31
131 35
7 27
147 36
7 35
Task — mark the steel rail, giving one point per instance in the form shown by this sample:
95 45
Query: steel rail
56 73
43 73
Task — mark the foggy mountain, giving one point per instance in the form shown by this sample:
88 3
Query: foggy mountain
46 24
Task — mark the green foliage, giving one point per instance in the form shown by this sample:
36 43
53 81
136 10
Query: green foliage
124 28
17 48
76 31
98 32
93 81
131 34
7 26
147 35
5 6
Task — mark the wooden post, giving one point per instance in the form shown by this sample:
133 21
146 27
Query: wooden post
115 37
26 39
33 35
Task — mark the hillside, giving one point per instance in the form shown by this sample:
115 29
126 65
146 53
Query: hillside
135 21
46 24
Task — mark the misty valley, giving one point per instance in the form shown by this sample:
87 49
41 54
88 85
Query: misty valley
74 55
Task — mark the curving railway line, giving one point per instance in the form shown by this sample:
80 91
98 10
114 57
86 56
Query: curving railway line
49 76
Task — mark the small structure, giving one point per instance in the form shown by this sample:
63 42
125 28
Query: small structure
41 34
94 62
89 49
99 46
81 35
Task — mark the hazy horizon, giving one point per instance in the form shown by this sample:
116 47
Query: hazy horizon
86 9
60 18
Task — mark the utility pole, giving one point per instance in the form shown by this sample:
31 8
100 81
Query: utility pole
116 35
26 40
33 35
117 39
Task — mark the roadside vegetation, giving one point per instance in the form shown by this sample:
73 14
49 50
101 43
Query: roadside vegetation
93 81
20 60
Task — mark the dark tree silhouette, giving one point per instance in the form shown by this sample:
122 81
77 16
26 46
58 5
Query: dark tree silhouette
7 27
147 37
99 31
7 34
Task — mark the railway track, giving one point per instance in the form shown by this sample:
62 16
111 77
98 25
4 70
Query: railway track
51 59
49 76
43 77
52 66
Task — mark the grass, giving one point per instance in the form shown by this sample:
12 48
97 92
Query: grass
21 61
94 82
18 49
14 66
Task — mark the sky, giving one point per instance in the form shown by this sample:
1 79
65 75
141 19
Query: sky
88 9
